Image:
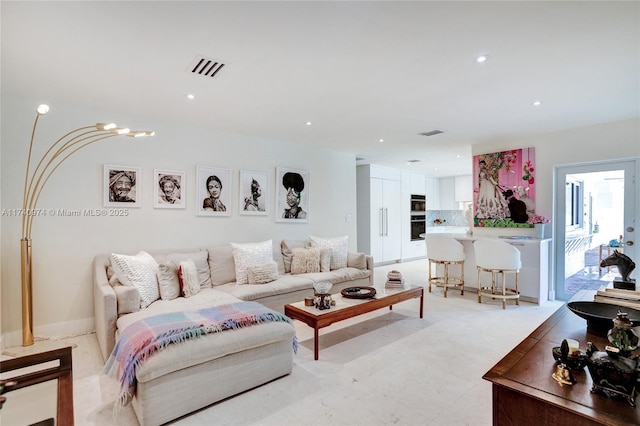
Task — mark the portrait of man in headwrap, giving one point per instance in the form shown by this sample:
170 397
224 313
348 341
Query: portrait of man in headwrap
121 182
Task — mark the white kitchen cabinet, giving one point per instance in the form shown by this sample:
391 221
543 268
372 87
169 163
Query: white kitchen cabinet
447 194
433 193
418 183
463 188
379 199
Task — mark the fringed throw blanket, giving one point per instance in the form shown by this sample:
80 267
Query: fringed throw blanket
146 336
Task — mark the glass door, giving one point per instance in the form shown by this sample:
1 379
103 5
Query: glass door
595 207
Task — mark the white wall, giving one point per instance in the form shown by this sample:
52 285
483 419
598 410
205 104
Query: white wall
64 247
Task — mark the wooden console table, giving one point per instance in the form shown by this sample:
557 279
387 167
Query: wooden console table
41 370
523 389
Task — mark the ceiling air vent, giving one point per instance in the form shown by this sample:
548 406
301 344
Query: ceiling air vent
431 133
205 67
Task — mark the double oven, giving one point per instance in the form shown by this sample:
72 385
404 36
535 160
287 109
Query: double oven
418 216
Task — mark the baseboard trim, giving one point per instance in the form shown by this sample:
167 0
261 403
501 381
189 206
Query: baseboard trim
51 332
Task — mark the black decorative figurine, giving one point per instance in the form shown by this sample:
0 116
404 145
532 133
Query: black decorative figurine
563 373
625 266
614 371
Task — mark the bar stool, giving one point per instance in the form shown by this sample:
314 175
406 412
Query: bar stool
497 258
445 251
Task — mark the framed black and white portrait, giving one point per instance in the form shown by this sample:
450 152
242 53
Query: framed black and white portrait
253 193
292 195
121 186
213 191
169 189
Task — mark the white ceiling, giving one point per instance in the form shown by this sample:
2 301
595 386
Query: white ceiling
359 71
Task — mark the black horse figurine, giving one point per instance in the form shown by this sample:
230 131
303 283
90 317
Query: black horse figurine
623 262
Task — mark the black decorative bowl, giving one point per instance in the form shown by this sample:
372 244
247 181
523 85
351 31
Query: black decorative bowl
600 316
359 292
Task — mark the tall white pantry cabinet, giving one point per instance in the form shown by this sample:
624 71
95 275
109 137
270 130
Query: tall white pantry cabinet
379 203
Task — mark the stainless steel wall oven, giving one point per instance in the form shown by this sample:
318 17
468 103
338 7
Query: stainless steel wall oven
418 216
418 226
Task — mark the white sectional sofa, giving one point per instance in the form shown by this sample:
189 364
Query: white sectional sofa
190 375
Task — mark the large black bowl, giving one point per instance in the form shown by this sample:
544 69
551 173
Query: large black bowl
600 316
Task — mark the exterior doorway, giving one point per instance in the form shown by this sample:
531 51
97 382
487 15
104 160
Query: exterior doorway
594 215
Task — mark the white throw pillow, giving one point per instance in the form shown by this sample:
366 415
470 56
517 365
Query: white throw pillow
138 271
305 260
168 280
325 260
339 249
263 273
200 259
250 254
188 274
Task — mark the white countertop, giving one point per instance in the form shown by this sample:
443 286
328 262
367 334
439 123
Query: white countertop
466 237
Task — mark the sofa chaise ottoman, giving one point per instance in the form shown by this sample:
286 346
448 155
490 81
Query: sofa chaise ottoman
195 373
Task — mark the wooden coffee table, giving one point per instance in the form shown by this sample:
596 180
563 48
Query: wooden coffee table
348 308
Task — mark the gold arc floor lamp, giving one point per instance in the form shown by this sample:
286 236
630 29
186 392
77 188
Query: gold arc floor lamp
35 181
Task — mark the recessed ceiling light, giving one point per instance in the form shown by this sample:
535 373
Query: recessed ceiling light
537 103
457 156
482 58
191 96
308 123
381 140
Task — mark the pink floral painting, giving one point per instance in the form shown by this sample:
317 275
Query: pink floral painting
504 188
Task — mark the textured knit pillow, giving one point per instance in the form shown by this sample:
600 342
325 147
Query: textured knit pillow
339 249
250 254
263 273
168 280
305 260
138 271
286 248
188 275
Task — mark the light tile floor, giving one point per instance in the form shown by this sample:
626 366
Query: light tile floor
386 367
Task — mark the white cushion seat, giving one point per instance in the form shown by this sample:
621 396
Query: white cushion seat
498 259
445 251
284 284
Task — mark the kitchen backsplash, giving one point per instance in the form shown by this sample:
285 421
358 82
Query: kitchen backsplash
446 218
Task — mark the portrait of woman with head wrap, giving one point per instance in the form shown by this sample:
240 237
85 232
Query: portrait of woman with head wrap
293 198
168 191
120 183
